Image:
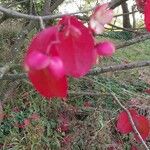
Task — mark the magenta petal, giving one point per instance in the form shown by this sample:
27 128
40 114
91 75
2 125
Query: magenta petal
46 70
143 126
123 124
47 84
42 41
76 48
105 48
35 60
56 67
42 46
147 15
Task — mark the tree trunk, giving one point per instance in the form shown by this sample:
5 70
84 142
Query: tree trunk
126 18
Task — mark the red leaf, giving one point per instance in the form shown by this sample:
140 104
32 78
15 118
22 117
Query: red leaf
147 91
63 123
34 117
76 48
133 147
142 125
25 123
66 140
111 148
87 104
123 123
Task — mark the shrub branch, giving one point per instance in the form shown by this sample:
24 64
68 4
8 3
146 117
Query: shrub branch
14 14
96 71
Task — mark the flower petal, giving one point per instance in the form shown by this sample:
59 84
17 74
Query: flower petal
47 84
105 48
43 41
36 61
46 71
76 47
101 16
57 68
143 126
96 26
147 15
123 123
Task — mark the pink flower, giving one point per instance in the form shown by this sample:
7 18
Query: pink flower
44 66
66 49
101 16
105 48
76 46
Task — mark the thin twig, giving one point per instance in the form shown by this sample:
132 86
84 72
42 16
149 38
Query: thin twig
14 76
96 71
131 121
133 41
121 67
126 29
119 15
15 14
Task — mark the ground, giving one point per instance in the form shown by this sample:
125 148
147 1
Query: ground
82 122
